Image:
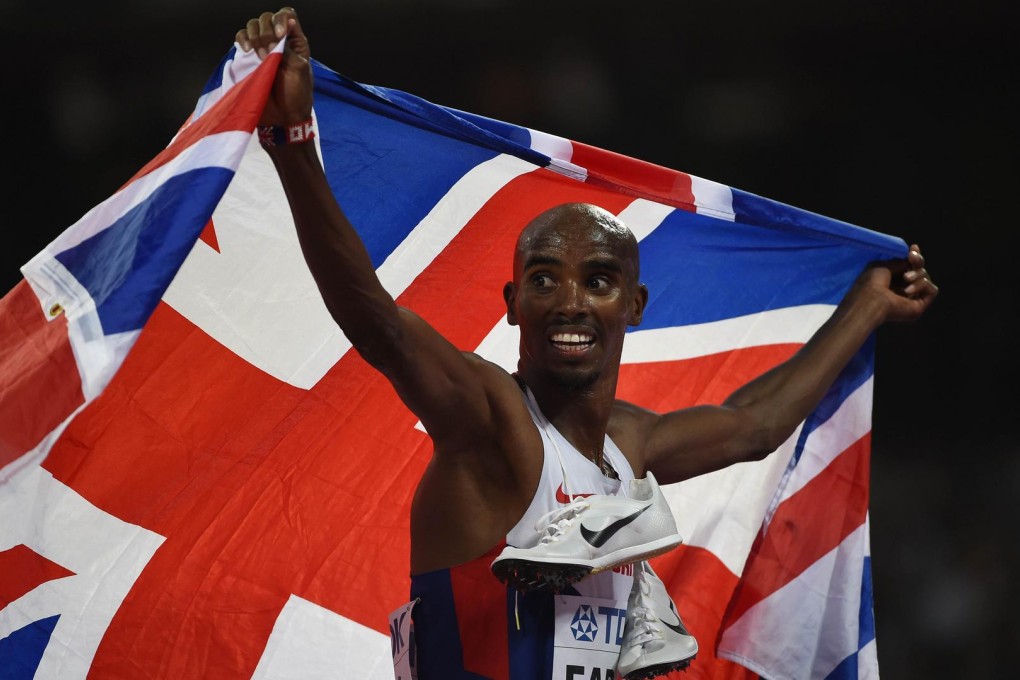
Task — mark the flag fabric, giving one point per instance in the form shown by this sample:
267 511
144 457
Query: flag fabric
200 479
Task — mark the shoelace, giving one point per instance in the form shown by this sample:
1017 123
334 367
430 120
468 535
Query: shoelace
643 619
552 524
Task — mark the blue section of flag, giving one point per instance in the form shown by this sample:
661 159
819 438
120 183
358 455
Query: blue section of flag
700 269
22 650
514 133
423 114
216 79
386 174
779 217
127 266
867 616
846 670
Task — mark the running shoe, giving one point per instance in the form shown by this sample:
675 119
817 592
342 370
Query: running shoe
655 640
591 535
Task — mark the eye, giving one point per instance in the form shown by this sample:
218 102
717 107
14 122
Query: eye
598 283
541 281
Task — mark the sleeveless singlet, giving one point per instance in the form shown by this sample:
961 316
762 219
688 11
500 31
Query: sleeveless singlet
469 625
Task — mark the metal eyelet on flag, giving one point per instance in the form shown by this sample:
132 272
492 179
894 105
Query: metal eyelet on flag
56 309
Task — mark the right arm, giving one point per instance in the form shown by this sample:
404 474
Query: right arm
443 386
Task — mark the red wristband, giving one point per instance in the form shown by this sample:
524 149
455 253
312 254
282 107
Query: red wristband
277 135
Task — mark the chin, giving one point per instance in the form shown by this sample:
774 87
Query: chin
575 380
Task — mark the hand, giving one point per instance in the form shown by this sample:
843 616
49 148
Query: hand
904 286
291 98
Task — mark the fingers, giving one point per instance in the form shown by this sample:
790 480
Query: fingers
919 283
264 32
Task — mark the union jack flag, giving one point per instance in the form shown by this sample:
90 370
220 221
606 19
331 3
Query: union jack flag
199 479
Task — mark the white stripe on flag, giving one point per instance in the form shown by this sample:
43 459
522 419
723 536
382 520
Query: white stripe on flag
104 554
850 422
557 148
809 626
96 354
867 661
722 511
446 219
793 325
256 296
712 198
310 642
234 71
222 150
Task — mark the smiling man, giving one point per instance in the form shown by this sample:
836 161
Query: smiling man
574 255
521 460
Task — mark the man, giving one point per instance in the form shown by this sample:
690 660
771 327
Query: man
550 442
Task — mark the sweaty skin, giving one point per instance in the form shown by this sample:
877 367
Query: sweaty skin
574 292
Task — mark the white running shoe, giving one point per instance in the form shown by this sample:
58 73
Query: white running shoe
655 641
591 535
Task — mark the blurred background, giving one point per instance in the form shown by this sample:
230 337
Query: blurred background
898 117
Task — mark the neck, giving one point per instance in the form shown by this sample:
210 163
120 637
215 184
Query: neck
580 415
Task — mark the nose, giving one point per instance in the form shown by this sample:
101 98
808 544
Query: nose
573 300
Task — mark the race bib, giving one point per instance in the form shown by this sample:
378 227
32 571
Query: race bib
402 642
589 632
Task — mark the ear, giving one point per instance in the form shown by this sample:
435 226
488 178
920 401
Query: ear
637 308
510 298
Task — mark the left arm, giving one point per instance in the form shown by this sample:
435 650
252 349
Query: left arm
758 417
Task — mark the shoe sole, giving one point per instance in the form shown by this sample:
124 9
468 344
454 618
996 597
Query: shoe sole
558 573
658 669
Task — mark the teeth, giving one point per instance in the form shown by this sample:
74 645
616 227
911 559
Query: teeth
573 338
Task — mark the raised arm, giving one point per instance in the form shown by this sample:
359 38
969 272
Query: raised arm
761 415
443 386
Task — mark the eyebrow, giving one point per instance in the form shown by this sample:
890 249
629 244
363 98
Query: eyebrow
604 264
536 260
599 263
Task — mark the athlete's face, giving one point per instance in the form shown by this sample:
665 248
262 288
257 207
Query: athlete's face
574 293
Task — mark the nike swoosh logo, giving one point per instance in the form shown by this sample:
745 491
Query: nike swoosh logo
677 628
598 538
562 497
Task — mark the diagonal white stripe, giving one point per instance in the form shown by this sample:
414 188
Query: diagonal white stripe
446 219
105 555
310 642
793 325
850 422
256 296
807 627
223 150
721 511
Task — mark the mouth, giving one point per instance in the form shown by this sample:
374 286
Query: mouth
572 343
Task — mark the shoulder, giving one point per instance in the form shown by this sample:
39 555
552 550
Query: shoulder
630 416
510 418
507 452
496 380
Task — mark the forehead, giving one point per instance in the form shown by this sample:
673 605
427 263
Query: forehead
577 230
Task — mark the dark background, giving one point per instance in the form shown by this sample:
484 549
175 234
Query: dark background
898 117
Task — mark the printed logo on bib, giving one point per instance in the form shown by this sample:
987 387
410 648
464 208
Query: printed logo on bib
584 627
402 645
589 632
